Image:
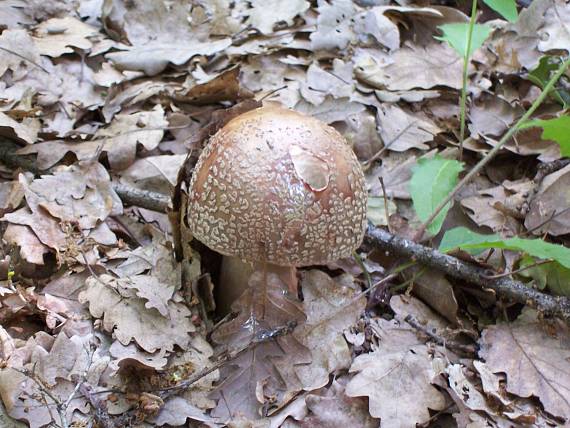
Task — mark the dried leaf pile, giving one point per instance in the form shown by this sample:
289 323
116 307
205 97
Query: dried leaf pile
101 325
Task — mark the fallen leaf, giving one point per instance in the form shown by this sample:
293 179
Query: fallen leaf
551 200
331 306
264 14
58 36
534 357
399 71
396 378
331 408
403 129
333 25
129 319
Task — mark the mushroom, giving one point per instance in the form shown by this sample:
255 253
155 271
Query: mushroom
278 189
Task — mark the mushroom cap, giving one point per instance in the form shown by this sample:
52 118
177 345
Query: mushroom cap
275 185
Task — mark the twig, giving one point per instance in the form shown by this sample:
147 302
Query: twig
504 287
153 201
263 336
99 406
44 390
494 150
367 164
385 194
533 265
467 350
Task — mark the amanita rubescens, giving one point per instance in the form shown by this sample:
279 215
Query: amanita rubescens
276 187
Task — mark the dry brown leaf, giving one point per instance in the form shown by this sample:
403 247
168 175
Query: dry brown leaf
333 25
45 227
331 110
119 140
331 306
361 133
57 366
551 198
553 36
404 129
127 356
176 410
331 408
404 306
492 116
58 36
396 172
264 14
31 248
80 193
534 355
266 73
128 317
320 82
264 374
432 287
11 195
17 131
120 97
491 383
159 34
396 378
18 52
465 390
13 14
412 67
500 208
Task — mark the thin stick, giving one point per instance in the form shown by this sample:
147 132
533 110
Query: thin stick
535 264
506 288
469 350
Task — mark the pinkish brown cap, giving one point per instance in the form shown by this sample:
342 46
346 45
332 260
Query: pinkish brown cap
278 186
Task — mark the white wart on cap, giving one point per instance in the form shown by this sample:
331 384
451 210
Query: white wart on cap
277 186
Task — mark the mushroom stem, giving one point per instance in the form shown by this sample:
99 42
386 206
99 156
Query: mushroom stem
235 276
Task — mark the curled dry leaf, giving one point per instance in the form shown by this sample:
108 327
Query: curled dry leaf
264 14
551 201
57 365
396 378
331 306
129 318
400 70
119 140
58 36
534 355
334 28
265 373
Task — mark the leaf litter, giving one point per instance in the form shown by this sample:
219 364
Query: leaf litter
101 316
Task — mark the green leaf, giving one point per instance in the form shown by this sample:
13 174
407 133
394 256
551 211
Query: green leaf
456 36
506 8
463 238
542 74
557 130
551 275
432 180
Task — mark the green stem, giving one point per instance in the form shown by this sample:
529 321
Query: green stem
463 106
561 70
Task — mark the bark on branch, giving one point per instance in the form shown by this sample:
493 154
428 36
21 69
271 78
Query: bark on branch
505 287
